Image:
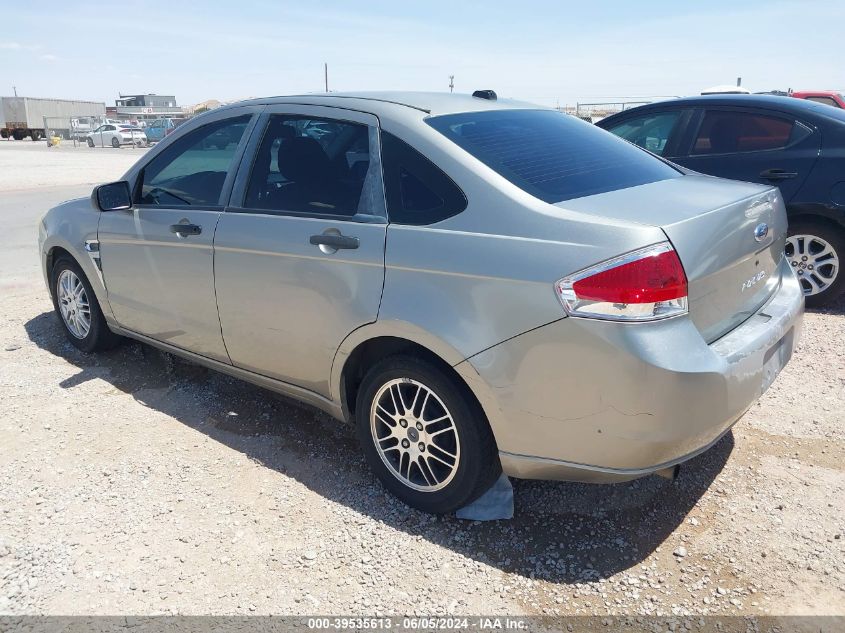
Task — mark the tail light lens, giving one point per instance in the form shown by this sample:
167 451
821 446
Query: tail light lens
643 285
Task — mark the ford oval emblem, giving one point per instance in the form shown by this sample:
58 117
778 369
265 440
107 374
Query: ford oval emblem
761 231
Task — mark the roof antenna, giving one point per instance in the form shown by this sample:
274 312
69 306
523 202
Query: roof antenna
451 83
485 94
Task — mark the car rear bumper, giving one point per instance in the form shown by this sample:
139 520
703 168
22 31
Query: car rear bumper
597 401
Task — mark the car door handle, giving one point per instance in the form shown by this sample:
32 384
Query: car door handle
334 241
185 229
777 174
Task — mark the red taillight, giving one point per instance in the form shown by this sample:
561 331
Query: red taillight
648 280
644 285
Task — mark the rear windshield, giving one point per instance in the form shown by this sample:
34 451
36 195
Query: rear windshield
551 155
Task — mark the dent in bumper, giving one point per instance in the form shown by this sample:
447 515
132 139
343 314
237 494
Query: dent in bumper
599 401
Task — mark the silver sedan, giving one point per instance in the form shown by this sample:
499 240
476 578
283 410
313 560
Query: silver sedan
478 285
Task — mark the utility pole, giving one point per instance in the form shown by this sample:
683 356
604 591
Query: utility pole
326 74
451 83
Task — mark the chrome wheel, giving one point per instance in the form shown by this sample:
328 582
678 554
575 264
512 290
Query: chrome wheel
814 260
73 304
415 435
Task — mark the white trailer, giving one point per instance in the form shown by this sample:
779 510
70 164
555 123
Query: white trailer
35 118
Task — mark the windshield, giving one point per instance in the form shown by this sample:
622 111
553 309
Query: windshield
551 155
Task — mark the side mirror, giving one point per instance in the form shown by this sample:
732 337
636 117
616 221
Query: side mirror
114 196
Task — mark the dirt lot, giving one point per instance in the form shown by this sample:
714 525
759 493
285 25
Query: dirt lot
134 483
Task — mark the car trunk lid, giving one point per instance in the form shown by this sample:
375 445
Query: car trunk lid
729 237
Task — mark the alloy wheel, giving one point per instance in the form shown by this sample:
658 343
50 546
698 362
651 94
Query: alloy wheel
415 435
73 304
814 260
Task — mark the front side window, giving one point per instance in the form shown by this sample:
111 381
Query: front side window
728 132
551 155
317 166
651 131
192 170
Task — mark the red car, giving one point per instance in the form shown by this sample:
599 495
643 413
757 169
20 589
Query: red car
828 97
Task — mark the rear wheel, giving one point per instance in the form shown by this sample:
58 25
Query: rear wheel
78 310
114 142
424 436
35 135
816 251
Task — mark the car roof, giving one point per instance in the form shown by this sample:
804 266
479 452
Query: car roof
792 105
382 102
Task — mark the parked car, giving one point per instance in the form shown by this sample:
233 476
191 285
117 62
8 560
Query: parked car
115 135
827 97
794 144
158 129
478 285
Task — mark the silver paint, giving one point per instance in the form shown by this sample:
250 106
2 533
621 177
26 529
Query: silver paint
565 398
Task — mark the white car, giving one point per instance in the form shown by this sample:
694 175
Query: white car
115 135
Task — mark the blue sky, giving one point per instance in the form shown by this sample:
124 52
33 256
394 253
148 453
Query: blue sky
546 52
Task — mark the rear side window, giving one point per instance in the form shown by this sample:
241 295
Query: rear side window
650 131
316 166
551 155
726 132
417 191
193 169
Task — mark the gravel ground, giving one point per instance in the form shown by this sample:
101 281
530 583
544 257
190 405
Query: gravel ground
132 482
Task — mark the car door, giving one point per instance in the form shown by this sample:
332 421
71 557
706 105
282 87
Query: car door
754 145
153 130
106 135
299 254
157 257
97 136
658 131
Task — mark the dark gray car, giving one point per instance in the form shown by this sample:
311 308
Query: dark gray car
479 285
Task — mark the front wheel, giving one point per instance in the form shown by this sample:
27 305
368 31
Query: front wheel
90 142
78 310
816 251
424 436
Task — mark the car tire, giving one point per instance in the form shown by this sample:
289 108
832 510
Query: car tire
816 251
67 280
446 456
90 142
115 143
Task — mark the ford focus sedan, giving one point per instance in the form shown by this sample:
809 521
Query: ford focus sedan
478 285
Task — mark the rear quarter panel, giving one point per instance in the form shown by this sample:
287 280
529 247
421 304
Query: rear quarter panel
488 273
